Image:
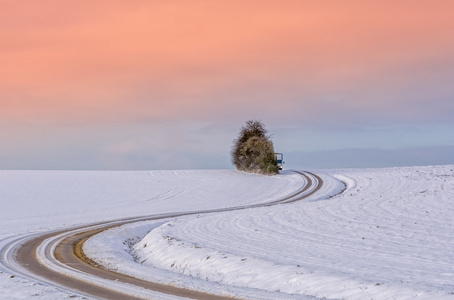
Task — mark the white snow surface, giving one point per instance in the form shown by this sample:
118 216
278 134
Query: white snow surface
388 236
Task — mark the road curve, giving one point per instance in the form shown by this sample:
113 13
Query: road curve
57 258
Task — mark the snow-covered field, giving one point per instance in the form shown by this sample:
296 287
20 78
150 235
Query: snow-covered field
388 236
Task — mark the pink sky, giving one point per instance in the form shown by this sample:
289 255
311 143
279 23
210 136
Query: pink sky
92 63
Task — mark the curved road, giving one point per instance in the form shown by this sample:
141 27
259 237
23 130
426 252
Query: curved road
57 258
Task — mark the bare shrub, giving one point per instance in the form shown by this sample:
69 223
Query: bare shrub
253 150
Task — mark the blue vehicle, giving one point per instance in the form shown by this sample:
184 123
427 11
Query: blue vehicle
280 160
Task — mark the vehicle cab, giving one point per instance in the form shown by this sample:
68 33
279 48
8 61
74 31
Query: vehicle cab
280 160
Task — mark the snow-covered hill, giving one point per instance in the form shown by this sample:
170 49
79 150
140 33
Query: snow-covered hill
388 236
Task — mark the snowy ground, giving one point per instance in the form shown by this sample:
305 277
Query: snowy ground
388 236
